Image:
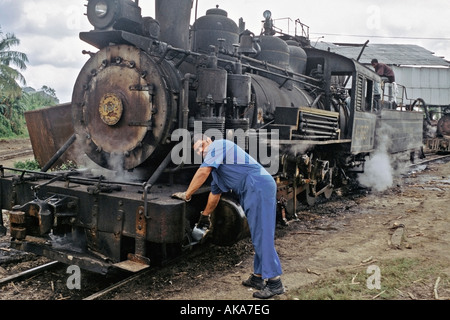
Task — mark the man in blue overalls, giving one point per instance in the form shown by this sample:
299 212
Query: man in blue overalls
234 169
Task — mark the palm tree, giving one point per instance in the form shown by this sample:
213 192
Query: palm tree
11 78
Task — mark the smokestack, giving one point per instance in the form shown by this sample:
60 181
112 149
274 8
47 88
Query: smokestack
174 17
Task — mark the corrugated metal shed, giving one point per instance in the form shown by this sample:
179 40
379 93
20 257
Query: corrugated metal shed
430 84
391 54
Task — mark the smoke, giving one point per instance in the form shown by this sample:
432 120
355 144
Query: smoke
378 171
116 171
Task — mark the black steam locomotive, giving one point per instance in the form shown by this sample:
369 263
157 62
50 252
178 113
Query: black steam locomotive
311 117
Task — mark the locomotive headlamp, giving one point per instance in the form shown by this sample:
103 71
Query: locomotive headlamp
114 14
268 23
101 9
102 14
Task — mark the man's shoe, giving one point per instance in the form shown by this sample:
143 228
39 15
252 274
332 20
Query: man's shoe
272 288
254 282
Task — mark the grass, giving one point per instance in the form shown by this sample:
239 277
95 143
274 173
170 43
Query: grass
400 279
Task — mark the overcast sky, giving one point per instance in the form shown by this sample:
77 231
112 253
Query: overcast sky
49 29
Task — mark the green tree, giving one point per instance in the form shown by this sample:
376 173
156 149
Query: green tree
11 107
11 78
45 97
12 121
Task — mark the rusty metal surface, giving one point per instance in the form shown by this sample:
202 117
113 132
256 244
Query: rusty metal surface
49 129
443 126
122 107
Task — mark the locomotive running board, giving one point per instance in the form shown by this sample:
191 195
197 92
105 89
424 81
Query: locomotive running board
132 266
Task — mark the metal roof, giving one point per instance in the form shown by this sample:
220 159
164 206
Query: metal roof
391 54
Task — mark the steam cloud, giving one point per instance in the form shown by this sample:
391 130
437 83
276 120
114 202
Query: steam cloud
378 172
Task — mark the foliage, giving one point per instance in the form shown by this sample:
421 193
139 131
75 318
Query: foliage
11 78
31 165
12 122
66 166
11 108
14 100
46 97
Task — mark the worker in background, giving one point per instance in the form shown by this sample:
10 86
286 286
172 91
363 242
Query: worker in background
386 72
383 70
234 169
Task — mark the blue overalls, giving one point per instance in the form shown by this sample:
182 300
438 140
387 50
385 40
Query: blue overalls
236 170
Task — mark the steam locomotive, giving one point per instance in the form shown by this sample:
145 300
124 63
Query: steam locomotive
437 132
311 117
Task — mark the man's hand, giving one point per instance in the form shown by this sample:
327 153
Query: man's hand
181 196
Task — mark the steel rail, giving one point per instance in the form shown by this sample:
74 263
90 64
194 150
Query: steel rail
29 272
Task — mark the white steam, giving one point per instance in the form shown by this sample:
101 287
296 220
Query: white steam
378 171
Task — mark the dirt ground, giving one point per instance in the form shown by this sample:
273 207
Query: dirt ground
10 146
410 220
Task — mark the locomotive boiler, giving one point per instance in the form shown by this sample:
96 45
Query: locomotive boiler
309 116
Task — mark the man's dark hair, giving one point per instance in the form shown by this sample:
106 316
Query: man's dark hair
374 61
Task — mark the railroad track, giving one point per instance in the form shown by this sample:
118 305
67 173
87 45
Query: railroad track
28 273
51 279
33 273
16 154
431 157
46 275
